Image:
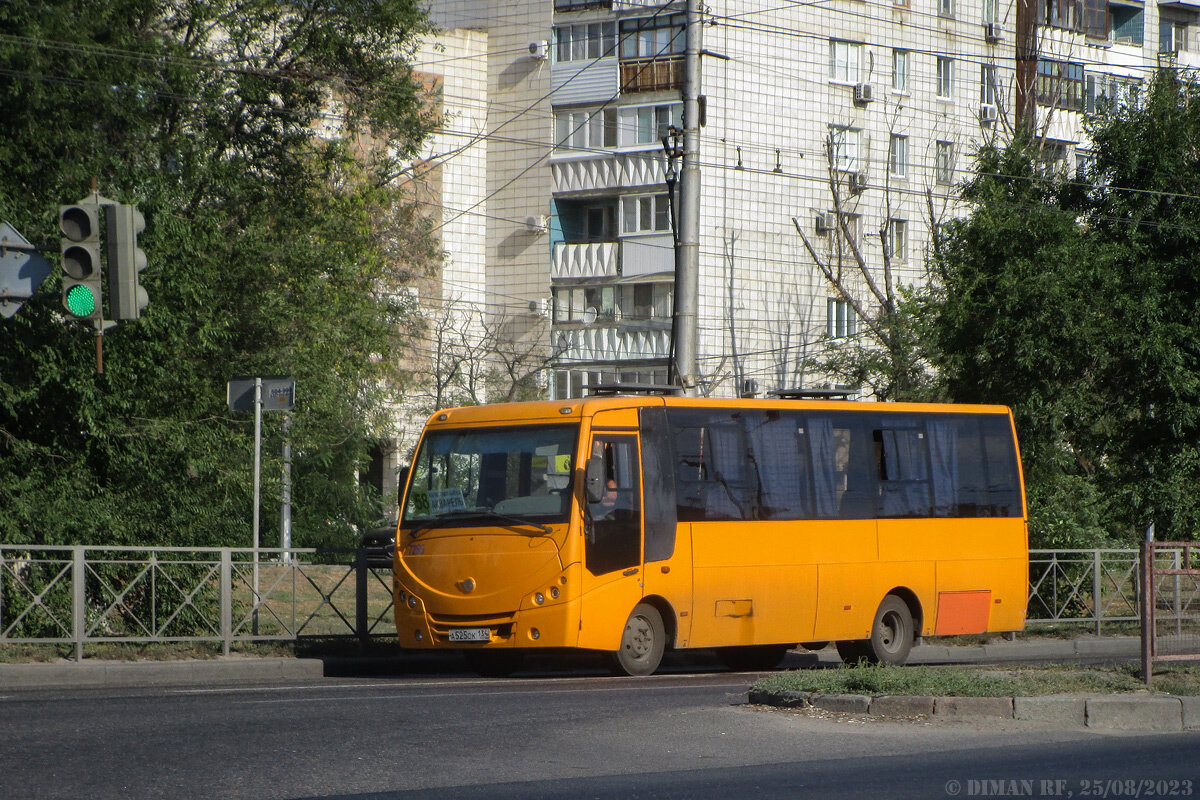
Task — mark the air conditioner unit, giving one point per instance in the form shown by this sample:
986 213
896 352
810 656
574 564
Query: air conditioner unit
988 113
827 222
857 181
539 51
536 225
993 32
863 93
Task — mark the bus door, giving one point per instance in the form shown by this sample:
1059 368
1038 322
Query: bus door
613 569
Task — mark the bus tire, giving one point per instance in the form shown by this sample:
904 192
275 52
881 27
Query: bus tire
643 641
752 658
892 632
494 663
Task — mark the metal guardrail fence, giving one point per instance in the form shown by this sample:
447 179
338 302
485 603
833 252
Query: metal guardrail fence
83 595
1083 586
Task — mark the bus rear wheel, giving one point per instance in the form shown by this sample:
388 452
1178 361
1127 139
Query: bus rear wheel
891 636
643 642
753 658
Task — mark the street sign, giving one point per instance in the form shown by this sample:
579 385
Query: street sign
22 270
278 393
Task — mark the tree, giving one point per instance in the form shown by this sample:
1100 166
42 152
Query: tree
1072 301
266 253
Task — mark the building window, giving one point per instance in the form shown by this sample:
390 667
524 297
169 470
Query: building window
990 11
945 77
1095 19
843 61
1172 35
585 130
649 213
900 70
944 163
1085 166
987 84
1060 84
945 8
585 41
1128 24
842 322
1103 91
1061 14
843 148
1052 158
647 125
653 37
897 243
898 156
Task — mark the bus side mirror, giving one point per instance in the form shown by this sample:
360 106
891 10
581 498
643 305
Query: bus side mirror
594 479
401 482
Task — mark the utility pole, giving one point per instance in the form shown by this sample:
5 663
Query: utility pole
687 254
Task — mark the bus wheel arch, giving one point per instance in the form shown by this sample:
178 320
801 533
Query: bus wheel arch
648 633
894 630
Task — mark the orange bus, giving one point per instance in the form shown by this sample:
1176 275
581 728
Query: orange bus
640 524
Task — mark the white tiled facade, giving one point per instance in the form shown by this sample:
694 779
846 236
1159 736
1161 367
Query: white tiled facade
905 90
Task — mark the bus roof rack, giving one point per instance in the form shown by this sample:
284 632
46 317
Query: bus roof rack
609 389
813 394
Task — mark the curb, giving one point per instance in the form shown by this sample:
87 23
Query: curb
1136 712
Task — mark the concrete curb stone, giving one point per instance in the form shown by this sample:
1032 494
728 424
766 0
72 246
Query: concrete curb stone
1058 709
1191 713
975 707
1143 713
901 706
845 703
1137 713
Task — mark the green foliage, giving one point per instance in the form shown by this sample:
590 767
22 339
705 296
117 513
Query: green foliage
1074 304
267 248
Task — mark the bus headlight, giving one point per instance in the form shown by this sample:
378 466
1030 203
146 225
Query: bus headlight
411 601
554 592
539 598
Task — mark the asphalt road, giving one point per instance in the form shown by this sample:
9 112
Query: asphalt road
454 736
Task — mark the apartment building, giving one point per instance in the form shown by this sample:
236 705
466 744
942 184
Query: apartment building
833 136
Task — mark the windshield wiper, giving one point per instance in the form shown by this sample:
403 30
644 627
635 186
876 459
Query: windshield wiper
487 513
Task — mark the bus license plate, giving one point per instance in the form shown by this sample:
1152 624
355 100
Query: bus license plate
471 635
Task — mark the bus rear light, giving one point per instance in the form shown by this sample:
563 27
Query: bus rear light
411 601
534 633
420 637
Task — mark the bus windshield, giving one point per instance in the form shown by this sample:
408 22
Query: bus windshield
492 476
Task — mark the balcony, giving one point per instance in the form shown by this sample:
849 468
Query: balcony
580 5
608 172
607 343
591 260
651 74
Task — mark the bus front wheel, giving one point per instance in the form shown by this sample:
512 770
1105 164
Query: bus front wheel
891 636
643 642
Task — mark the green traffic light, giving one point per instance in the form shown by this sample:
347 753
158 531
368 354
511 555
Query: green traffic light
80 301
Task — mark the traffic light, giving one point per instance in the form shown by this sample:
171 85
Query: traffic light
81 291
126 297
